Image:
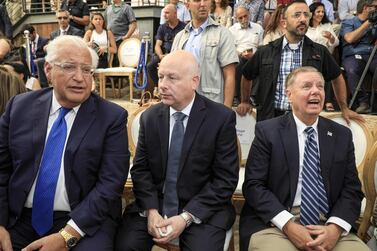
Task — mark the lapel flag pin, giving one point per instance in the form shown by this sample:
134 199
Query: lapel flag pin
329 133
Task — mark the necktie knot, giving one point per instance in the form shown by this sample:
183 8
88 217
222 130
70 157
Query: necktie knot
179 116
64 111
309 131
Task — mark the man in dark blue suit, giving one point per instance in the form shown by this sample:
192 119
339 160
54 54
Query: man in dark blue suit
300 163
86 181
62 17
185 197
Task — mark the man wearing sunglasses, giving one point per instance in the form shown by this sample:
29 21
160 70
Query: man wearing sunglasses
64 28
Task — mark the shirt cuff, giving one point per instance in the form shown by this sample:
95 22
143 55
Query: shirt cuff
341 223
75 227
143 213
281 219
196 220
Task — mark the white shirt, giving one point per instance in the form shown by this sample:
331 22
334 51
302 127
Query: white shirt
315 34
61 201
284 216
249 38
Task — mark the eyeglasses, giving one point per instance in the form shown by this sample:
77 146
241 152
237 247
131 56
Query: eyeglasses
297 15
69 68
60 18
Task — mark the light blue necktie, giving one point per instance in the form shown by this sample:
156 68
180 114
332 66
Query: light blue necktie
170 204
313 194
43 201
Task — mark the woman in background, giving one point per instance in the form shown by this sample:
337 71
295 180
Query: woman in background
321 31
10 86
274 27
221 12
100 39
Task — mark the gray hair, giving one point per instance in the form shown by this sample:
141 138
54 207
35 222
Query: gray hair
292 76
53 48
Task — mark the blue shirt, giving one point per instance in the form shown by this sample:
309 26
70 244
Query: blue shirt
362 47
167 34
193 43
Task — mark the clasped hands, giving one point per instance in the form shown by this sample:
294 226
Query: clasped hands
312 237
162 229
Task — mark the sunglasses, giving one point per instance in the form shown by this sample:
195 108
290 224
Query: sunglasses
64 18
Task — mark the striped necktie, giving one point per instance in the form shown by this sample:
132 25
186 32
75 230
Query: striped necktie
313 194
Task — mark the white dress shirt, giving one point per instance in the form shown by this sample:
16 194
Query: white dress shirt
284 216
61 201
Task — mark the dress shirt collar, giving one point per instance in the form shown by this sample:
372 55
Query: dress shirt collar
292 46
55 106
66 30
185 110
301 125
201 28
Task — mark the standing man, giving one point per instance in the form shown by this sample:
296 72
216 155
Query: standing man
62 16
301 185
164 39
347 9
120 19
182 12
5 23
79 13
248 37
185 168
63 159
214 49
272 63
358 35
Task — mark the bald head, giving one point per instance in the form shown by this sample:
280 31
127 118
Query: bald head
179 78
170 13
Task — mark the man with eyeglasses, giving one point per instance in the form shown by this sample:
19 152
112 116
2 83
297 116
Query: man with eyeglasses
358 35
64 159
64 28
272 63
79 13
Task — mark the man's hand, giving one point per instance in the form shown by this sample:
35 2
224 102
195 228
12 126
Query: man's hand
243 108
349 114
53 242
326 236
154 218
5 243
299 236
177 223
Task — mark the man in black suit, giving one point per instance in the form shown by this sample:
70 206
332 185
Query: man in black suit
301 185
64 28
182 178
66 144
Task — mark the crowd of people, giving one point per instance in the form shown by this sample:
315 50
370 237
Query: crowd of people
64 155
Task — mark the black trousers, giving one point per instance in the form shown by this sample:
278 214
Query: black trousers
133 235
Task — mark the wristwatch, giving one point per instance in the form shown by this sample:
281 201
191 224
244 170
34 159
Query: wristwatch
186 216
70 240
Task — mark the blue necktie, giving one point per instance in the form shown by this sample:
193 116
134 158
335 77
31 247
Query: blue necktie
43 201
170 205
313 194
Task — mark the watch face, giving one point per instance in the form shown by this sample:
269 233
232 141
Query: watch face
71 242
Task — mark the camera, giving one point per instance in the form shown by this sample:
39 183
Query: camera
372 17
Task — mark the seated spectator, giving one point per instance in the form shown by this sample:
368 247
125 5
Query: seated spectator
79 13
347 9
275 26
221 12
164 39
10 86
329 8
22 72
321 31
256 9
248 36
100 39
357 34
183 13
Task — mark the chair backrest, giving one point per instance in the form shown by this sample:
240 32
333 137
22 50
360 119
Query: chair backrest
245 126
129 52
362 139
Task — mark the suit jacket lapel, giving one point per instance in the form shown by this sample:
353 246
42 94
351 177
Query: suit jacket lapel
197 115
288 133
84 118
326 148
40 112
163 132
